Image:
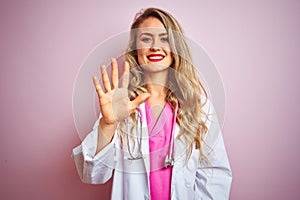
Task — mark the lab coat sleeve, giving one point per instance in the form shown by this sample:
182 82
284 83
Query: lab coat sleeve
94 169
213 179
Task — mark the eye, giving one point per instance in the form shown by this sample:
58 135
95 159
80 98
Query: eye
146 39
164 39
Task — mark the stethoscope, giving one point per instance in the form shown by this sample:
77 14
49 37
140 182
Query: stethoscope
169 159
139 119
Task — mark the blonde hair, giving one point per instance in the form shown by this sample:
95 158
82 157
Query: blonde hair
185 89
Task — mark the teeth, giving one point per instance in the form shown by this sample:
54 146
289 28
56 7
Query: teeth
156 57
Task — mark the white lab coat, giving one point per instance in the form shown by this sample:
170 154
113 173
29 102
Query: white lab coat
131 177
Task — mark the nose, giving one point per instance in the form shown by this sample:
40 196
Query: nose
156 46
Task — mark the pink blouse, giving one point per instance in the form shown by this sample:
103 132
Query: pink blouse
160 133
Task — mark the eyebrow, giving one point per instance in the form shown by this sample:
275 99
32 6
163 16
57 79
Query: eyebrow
150 34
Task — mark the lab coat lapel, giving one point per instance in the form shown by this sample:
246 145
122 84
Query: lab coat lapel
179 147
145 144
145 140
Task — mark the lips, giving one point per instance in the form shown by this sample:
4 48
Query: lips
155 57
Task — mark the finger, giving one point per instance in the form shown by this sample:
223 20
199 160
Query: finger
114 73
139 99
125 80
105 79
97 86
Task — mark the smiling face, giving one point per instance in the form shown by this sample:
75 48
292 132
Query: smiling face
153 49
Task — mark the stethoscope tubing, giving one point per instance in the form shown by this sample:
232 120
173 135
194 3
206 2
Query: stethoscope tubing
169 160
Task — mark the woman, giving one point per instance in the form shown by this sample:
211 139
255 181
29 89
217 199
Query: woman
157 135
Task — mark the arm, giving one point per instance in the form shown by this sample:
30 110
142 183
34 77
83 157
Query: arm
93 166
95 157
114 102
105 134
213 179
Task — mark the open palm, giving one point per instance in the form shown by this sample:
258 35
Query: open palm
114 102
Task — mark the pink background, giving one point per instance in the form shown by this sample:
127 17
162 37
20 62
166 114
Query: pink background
254 44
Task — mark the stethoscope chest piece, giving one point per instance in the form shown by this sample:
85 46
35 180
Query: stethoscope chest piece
168 162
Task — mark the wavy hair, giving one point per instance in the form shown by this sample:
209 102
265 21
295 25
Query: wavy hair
184 86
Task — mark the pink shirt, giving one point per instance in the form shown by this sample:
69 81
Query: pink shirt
160 133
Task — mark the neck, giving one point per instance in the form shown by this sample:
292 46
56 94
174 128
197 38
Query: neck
159 78
156 83
156 89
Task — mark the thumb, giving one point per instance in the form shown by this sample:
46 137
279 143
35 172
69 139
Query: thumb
140 99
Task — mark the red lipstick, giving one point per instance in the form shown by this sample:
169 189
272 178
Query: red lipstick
155 57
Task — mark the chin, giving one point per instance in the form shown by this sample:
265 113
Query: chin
154 67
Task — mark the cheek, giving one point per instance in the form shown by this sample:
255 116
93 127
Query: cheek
140 55
170 59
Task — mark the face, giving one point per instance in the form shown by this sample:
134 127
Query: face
153 49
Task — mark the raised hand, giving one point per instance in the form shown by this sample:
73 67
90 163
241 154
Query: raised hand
114 102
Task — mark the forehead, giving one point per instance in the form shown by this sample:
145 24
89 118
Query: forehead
151 25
